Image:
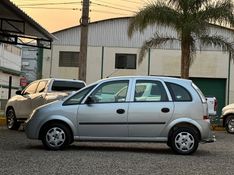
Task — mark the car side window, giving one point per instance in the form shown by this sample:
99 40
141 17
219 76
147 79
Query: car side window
41 86
79 96
115 91
149 90
179 93
31 89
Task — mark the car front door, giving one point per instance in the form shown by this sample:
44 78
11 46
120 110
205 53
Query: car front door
38 98
150 110
23 105
104 114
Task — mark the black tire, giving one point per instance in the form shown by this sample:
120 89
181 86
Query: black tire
12 123
229 126
184 141
56 136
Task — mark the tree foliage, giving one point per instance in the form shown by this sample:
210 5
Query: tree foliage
191 19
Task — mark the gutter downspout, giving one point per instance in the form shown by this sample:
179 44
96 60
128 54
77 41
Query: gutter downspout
229 78
51 61
102 62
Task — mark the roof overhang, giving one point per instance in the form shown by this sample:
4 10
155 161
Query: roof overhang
16 27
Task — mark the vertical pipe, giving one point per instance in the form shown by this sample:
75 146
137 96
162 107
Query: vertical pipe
39 63
102 64
9 87
149 61
229 76
51 61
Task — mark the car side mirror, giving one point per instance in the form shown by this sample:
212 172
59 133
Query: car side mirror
89 100
19 92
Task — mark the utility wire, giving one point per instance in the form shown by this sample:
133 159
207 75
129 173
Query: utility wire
58 3
131 1
121 6
108 6
52 8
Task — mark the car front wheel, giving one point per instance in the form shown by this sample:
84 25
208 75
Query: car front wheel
11 120
230 124
184 141
56 136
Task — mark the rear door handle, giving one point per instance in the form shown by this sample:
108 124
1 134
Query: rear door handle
165 110
120 111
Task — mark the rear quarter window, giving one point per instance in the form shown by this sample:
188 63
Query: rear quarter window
178 92
60 85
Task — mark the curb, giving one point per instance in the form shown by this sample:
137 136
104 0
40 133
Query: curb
2 121
218 128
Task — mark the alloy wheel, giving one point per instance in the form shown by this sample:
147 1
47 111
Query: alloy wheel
184 141
55 137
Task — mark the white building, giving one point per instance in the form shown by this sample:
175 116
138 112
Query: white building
10 65
112 53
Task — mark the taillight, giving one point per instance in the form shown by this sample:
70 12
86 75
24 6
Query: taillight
215 105
205 117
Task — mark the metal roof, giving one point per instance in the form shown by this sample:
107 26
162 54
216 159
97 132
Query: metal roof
16 27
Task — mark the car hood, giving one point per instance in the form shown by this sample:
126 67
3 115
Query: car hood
230 106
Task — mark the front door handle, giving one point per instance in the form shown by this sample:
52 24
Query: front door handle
120 111
165 110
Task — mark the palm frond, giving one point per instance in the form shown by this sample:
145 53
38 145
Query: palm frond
154 13
221 12
188 5
153 43
220 41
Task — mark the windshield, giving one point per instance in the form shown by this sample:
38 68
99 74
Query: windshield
79 96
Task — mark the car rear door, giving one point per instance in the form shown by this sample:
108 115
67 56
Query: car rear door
106 116
151 109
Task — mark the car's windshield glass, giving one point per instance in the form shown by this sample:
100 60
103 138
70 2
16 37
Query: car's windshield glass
78 97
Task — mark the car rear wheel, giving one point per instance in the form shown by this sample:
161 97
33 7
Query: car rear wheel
56 136
184 141
230 124
11 120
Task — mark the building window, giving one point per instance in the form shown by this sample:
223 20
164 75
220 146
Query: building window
68 59
125 61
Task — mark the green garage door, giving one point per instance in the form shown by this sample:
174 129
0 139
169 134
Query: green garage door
213 88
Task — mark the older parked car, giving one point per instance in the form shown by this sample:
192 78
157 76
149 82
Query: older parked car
227 118
137 108
19 107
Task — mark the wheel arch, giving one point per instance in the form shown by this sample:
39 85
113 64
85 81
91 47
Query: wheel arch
225 118
8 108
53 121
188 124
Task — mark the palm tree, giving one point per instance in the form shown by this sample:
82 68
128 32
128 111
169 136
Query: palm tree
191 19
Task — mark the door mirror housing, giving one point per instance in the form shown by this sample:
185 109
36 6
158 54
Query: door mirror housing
89 100
19 92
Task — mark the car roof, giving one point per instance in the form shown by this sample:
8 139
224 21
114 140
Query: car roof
162 78
61 79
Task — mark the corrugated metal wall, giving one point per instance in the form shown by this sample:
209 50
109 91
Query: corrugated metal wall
113 33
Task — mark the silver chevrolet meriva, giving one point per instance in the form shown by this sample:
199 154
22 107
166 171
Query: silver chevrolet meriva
136 108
